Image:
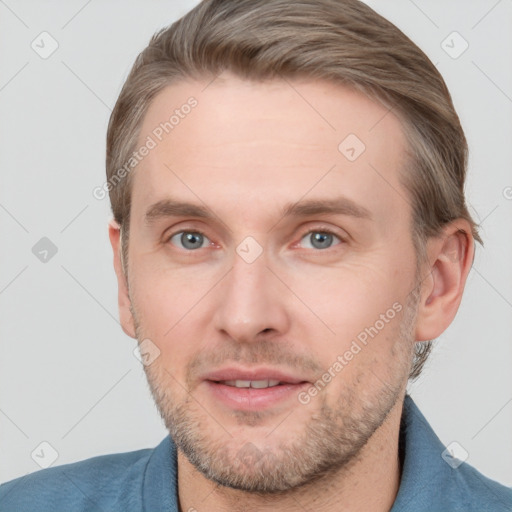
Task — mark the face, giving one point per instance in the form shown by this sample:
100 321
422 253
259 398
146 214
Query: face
271 266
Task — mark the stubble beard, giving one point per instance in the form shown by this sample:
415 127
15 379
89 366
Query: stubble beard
330 441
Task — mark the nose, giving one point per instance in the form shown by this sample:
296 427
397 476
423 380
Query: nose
251 302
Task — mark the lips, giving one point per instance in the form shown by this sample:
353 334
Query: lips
252 389
247 377
231 375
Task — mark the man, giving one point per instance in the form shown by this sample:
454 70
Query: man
289 232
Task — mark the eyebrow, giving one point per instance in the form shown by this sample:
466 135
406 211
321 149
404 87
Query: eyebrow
340 205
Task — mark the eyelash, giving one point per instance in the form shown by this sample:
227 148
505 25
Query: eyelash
326 231
313 230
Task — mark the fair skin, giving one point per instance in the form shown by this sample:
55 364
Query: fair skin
247 150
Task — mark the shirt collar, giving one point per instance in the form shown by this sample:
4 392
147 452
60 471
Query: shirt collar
423 467
160 481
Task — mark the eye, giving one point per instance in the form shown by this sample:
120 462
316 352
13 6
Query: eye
320 238
190 240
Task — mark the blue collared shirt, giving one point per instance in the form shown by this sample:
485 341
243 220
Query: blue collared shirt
146 480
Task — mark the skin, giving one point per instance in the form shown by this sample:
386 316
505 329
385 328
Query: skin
245 151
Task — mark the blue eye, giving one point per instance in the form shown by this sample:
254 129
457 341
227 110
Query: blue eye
320 239
190 240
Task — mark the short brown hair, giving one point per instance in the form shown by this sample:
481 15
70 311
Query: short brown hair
344 41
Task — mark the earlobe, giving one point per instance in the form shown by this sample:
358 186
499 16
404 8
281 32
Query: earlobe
450 256
123 297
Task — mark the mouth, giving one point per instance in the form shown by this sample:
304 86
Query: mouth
255 384
252 390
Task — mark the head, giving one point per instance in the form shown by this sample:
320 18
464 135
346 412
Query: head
256 114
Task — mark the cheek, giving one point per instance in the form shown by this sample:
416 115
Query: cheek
363 306
350 298
165 309
164 296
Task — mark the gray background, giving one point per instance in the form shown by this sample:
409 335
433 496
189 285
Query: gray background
68 375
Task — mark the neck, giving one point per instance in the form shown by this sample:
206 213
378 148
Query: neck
369 482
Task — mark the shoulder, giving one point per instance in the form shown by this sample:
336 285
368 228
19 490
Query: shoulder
435 480
98 483
474 491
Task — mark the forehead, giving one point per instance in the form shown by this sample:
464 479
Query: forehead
232 142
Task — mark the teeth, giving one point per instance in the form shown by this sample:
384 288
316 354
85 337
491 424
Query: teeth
258 384
261 384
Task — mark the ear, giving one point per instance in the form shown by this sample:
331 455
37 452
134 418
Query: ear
123 297
450 257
